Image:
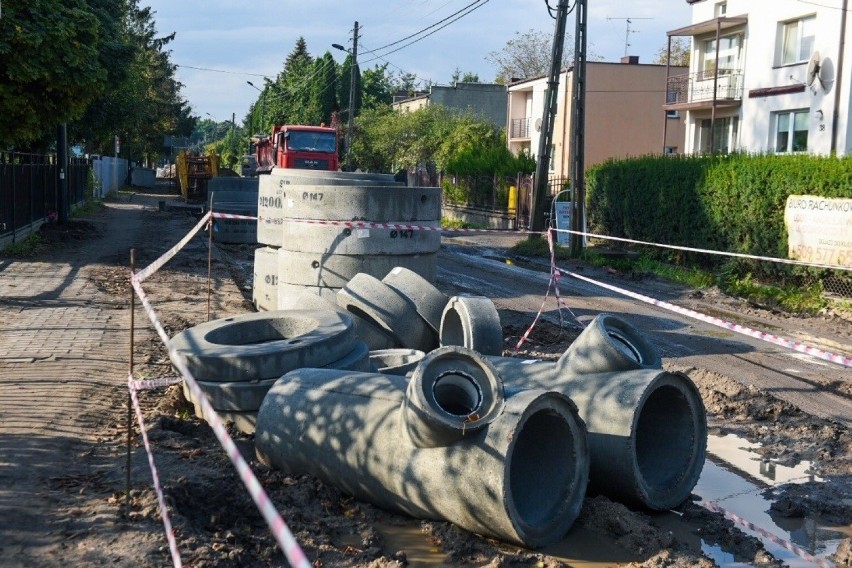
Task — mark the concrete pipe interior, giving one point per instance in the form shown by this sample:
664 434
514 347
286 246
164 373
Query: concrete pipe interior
624 345
542 468
457 393
665 438
452 330
256 332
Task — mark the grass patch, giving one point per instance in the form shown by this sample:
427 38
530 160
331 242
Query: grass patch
24 249
535 245
451 224
795 299
87 209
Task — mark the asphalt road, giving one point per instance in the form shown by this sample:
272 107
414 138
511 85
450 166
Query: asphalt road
817 387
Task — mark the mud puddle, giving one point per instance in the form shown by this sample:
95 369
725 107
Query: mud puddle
736 478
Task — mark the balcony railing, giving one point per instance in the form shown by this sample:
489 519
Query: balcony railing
698 87
520 128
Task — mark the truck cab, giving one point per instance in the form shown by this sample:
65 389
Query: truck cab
299 147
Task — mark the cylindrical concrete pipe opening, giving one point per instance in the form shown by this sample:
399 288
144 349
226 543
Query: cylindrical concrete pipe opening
395 361
610 344
647 428
520 478
453 391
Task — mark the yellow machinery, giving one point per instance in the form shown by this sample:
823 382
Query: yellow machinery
193 173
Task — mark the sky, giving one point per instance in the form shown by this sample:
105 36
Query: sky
220 44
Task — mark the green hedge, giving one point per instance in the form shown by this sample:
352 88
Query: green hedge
730 203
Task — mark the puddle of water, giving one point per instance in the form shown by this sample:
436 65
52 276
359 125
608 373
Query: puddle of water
419 550
736 483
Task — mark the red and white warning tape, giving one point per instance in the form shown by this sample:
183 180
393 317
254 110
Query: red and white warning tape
795 549
148 384
729 325
218 215
401 226
146 272
295 556
708 251
158 489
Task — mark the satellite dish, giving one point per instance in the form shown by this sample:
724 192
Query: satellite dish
538 125
813 68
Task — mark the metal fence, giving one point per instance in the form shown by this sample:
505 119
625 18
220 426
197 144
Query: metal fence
29 191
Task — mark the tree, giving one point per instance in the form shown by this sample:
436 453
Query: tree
50 67
324 89
468 77
681 51
377 85
526 55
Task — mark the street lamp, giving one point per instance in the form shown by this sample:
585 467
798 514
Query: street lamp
262 99
353 69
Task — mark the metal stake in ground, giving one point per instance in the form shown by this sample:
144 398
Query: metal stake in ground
129 396
209 252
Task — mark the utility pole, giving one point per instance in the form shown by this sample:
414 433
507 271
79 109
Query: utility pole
628 31
546 140
353 70
578 130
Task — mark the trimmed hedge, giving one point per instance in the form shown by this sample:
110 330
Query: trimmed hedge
731 203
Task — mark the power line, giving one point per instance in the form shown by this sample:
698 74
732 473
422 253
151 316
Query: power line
475 7
428 27
222 71
824 5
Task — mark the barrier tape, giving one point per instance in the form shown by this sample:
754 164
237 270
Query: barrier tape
148 384
158 489
146 272
404 226
291 549
708 251
741 329
217 215
795 549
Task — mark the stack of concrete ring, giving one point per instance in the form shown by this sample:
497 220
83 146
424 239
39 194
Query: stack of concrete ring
322 255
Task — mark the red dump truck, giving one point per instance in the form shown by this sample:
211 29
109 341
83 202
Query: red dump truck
300 147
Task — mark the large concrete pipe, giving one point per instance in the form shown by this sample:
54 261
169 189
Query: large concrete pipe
263 345
520 478
335 270
279 203
647 428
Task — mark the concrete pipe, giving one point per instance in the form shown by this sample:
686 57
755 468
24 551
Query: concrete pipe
280 203
472 321
452 393
610 344
263 345
368 298
335 239
647 428
306 299
336 270
220 200
296 176
264 293
395 361
427 299
521 479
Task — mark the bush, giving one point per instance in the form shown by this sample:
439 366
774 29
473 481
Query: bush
731 203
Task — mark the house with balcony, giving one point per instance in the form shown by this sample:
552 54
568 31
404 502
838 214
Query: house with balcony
623 114
765 76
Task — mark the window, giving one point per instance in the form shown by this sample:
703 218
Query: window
724 135
670 150
672 114
721 9
729 55
791 131
797 40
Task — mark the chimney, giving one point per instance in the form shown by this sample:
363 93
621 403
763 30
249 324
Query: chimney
630 60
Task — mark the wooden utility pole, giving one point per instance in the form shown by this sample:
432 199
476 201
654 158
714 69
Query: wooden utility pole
548 117
578 130
353 70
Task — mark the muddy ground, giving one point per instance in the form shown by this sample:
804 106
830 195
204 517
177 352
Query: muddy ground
216 523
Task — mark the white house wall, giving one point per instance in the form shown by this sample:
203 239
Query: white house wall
761 71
